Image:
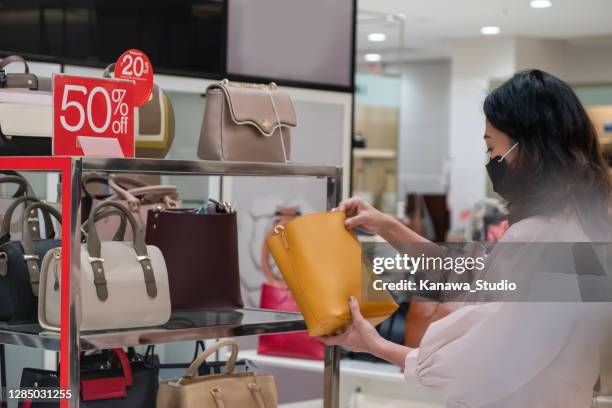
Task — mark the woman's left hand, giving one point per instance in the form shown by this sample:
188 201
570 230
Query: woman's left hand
360 336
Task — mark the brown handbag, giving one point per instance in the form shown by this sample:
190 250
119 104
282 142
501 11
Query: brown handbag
246 122
201 252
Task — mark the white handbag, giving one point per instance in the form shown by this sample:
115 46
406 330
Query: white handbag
123 284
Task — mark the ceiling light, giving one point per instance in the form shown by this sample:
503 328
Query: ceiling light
377 37
489 30
540 3
373 57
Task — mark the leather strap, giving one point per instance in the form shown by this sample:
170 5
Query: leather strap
94 248
33 224
107 71
22 80
123 360
168 194
94 178
24 186
256 393
14 58
29 255
120 234
217 395
231 362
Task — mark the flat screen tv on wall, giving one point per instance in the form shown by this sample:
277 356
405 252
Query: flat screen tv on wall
185 37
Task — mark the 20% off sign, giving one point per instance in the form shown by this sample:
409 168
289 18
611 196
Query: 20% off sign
92 116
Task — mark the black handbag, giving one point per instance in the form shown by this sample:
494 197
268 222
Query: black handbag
35 105
103 374
20 263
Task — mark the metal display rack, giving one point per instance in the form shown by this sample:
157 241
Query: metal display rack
210 324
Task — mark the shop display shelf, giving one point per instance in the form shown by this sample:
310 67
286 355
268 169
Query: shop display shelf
184 325
351 368
207 167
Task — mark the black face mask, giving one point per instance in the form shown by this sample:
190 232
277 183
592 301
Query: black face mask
500 174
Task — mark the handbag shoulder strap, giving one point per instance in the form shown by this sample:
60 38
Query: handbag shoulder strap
120 234
24 186
29 254
231 362
94 248
130 195
14 58
94 178
33 226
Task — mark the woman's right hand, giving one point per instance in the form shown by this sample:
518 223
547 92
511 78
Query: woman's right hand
362 215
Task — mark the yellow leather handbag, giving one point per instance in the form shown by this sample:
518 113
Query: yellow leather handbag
320 260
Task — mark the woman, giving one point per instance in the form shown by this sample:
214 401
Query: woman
546 162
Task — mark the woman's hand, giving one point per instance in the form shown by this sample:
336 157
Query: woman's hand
360 336
362 215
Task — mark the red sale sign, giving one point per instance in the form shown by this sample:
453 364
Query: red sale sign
92 117
135 65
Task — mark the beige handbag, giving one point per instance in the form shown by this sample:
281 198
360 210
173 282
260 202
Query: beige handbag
123 284
247 122
26 117
153 123
227 390
139 200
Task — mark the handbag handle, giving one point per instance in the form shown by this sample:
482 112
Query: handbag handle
23 80
107 70
5 228
24 186
168 192
94 178
231 362
14 58
29 255
120 234
94 247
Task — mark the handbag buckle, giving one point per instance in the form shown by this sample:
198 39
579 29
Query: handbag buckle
141 258
30 258
134 206
91 259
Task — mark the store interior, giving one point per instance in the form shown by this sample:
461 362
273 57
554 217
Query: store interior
405 134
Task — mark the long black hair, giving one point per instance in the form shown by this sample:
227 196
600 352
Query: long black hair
559 158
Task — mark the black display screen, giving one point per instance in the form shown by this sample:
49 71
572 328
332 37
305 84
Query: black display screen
179 36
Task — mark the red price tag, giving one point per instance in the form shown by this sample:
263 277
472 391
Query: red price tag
135 66
95 114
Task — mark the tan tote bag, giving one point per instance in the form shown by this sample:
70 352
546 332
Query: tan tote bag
227 390
247 122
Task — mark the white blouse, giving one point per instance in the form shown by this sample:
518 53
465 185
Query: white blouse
512 354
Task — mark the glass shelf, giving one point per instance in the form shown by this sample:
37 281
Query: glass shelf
184 325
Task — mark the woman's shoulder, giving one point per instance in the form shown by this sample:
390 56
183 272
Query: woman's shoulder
561 227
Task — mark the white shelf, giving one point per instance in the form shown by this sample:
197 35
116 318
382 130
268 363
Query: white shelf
349 368
367 153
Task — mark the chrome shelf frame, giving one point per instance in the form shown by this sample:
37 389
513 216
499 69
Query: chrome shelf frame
212 323
333 175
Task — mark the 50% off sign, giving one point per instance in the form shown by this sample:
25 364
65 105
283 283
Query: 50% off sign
93 117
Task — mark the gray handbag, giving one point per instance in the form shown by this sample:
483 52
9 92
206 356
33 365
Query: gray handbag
247 122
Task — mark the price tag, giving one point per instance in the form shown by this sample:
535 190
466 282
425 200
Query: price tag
99 111
134 65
